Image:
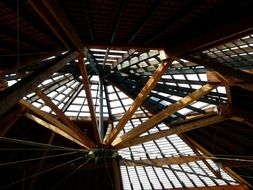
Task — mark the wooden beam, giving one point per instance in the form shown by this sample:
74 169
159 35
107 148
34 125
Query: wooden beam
242 120
10 96
9 119
55 129
178 129
162 161
222 69
64 22
135 132
87 90
63 117
226 169
214 76
55 122
163 67
126 56
117 175
220 187
43 13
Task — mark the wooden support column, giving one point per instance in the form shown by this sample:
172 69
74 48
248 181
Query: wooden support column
164 114
139 99
10 96
178 129
117 175
63 117
87 90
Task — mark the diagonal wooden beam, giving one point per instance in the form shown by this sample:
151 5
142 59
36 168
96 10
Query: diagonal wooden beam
139 99
64 22
63 117
222 69
135 132
10 118
162 161
43 13
214 76
178 129
87 90
10 96
55 129
48 118
205 152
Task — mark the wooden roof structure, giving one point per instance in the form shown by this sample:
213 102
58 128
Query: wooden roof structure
151 94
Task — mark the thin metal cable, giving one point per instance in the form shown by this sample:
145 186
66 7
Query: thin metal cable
18 48
66 177
39 173
38 158
36 144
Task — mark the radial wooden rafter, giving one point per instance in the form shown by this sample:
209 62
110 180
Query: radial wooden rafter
55 124
11 95
164 114
55 129
162 161
63 117
87 90
178 129
60 18
163 67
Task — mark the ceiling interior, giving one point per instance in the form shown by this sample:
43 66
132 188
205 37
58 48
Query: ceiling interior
147 94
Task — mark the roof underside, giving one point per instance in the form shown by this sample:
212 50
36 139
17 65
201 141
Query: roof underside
184 67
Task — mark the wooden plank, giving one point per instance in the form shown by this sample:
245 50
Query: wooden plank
86 87
178 129
54 122
63 117
162 161
54 129
135 132
10 96
163 67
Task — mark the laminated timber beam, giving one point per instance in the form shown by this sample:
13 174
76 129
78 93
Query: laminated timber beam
162 161
163 67
62 116
226 169
159 117
87 90
220 187
49 119
214 76
222 69
60 18
55 129
64 22
178 129
10 96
